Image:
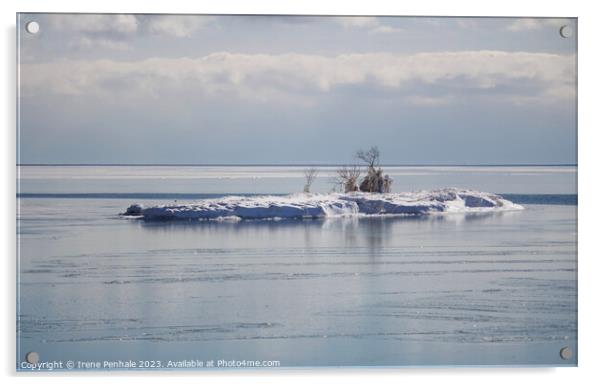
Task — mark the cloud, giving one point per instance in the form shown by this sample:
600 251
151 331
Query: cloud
357 21
466 23
530 24
539 77
87 23
88 32
385 29
428 101
91 43
371 23
113 32
177 25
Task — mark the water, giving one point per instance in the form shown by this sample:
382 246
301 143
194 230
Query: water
496 289
286 179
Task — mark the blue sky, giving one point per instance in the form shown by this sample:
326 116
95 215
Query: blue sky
276 89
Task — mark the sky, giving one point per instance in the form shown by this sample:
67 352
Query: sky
208 89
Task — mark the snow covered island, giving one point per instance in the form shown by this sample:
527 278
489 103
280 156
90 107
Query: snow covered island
298 206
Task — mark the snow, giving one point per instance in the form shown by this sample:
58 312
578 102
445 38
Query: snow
295 206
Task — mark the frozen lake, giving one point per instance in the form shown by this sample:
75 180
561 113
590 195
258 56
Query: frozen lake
482 289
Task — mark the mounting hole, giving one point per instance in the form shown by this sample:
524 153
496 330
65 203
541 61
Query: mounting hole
32 27
566 31
566 353
32 357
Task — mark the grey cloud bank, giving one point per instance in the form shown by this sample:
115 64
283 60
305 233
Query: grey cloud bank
249 75
184 89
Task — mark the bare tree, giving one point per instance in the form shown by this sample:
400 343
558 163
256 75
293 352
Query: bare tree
347 178
310 177
374 181
370 157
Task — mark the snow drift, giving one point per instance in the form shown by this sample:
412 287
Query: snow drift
328 205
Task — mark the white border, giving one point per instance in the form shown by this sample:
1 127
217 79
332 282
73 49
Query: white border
589 176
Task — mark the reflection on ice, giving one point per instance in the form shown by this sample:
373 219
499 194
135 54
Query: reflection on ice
496 286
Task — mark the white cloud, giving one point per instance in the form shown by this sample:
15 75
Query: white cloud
117 24
428 101
357 21
114 31
541 76
87 23
371 23
385 29
530 24
91 43
88 32
177 25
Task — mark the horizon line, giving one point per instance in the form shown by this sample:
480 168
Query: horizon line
305 164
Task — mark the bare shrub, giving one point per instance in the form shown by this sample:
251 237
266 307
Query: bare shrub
372 181
310 176
347 178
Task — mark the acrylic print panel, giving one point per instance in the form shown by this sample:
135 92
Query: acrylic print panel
234 192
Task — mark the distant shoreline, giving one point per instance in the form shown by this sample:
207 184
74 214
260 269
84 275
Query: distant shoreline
282 165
